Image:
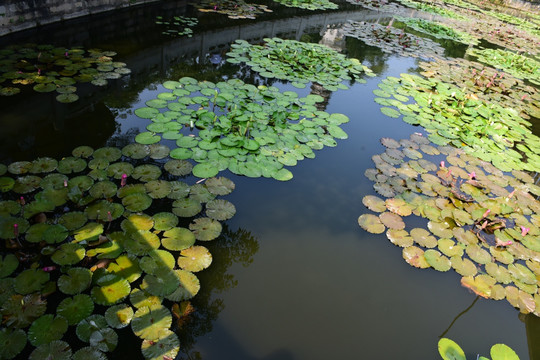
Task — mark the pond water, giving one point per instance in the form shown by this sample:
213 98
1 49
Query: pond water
294 276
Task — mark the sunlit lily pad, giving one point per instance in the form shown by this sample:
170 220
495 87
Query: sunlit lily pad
68 254
166 345
141 242
148 322
136 222
438 261
414 256
194 258
140 298
119 316
189 286
391 220
157 259
126 266
481 284
371 223
111 289
399 237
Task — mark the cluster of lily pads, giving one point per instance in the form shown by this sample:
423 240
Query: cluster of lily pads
237 9
379 5
309 4
299 62
486 83
48 68
178 25
437 30
450 350
252 131
433 9
456 117
392 40
519 65
91 232
481 222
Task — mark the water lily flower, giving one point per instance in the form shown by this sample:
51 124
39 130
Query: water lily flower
124 180
511 194
486 213
523 97
472 176
16 230
442 164
524 230
22 201
49 268
65 183
503 243
109 216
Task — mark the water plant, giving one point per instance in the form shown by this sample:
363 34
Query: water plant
453 116
486 83
237 9
392 40
438 30
309 4
178 25
94 241
252 131
299 62
481 222
50 68
450 350
433 9
381 5
519 65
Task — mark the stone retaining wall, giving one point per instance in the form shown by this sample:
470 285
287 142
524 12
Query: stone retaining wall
16 15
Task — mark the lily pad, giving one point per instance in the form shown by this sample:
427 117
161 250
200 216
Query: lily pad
20 311
46 329
194 258
148 322
68 254
75 281
119 316
8 264
57 349
220 209
75 309
166 345
13 342
189 286
110 290
30 280
162 282
177 239
205 229
371 223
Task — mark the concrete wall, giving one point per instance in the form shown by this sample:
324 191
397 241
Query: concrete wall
18 15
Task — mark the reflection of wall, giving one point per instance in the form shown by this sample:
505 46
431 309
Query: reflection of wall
23 14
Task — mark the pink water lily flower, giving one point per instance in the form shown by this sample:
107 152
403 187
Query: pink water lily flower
472 175
124 180
524 230
442 164
16 229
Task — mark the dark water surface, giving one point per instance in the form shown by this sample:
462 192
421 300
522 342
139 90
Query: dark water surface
294 276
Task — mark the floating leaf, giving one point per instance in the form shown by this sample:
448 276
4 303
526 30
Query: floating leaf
119 316
148 322
110 290
57 349
75 281
76 308
166 345
414 256
13 342
30 280
194 258
46 329
371 223
189 286
68 254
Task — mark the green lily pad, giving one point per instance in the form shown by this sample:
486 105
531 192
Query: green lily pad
137 202
110 290
126 266
162 282
166 345
164 221
46 329
205 229
8 264
194 258
438 261
141 242
189 286
71 164
219 185
158 189
178 167
148 322
20 311
205 170
89 353
75 281
187 207
92 323
449 350
177 239
73 220
157 259
76 308
30 280
136 222
82 151
481 284
146 172
140 298
13 342
68 254
57 349
119 316
220 209
88 233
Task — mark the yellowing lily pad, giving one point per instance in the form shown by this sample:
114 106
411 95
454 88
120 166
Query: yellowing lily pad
194 258
414 256
371 223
